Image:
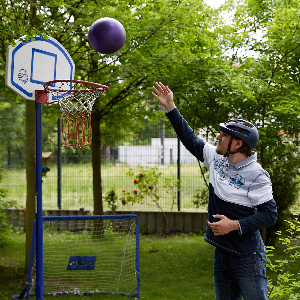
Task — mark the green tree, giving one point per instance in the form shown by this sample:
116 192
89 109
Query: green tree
263 88
285 285
273 80
11 144
5 227
161 36
152 50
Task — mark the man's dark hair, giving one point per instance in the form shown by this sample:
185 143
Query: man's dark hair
248 151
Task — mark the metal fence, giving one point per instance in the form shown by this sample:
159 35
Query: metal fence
154 146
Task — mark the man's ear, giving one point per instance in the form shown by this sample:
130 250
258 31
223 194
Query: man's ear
239 144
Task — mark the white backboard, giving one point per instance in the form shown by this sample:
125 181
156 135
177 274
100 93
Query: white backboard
29 65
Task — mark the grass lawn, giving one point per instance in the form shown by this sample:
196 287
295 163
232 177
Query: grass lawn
174 267
12 258
177 267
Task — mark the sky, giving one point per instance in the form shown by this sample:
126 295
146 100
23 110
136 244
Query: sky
214 3
218 3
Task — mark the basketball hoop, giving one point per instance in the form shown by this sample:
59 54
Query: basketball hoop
76 99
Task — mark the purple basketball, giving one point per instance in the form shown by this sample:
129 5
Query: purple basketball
107 35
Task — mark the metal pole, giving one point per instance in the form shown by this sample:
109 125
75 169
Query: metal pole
178 169
59 163
162 139
39 289
178 173
162 143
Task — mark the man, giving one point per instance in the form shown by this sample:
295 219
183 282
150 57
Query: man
240 202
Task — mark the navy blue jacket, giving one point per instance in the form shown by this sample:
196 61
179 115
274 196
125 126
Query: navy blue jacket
241 192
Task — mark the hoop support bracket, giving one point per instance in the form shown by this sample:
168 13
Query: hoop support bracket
41 96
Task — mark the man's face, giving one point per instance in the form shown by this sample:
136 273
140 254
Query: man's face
223 140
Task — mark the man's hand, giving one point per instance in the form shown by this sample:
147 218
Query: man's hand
223 226
164 95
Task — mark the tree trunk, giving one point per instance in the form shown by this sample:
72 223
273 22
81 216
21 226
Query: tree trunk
103 152
96 161
30 176
8 156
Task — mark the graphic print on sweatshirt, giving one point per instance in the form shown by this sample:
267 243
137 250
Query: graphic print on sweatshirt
237 181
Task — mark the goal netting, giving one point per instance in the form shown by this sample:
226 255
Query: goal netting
87 255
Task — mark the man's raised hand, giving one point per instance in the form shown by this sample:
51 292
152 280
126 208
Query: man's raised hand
164 95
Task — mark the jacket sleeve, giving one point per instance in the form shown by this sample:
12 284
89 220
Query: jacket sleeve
186 134
266 216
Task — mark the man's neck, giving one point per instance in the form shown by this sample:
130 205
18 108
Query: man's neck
236 158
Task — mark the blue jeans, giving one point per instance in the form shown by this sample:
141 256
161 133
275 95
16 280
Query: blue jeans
237 278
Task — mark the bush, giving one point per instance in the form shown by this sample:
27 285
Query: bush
112 200
283 167
201 197
149 185
5 228
286 285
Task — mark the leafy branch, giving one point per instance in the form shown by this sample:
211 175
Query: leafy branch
285 285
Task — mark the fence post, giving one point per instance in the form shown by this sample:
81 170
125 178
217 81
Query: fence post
162 139
178 168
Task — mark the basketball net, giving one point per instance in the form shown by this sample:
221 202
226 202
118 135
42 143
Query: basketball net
76 99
